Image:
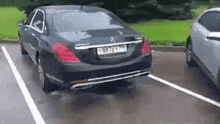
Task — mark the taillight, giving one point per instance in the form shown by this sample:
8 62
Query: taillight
64 54
146 47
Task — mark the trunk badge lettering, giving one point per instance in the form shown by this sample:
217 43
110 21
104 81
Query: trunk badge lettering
120 33
112 39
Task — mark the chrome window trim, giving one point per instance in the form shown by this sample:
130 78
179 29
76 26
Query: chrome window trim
32 18
40 31
105 45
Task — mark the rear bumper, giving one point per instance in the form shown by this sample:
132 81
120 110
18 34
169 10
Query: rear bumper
84 76
94 81
84 84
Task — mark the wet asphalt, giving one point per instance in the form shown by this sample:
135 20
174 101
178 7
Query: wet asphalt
141 100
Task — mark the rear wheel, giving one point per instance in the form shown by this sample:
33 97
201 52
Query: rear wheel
47 86
189 58
23 51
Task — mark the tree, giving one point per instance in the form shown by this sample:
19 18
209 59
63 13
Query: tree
129 10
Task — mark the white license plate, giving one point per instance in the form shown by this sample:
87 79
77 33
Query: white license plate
113 49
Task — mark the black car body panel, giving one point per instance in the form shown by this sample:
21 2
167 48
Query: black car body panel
93 67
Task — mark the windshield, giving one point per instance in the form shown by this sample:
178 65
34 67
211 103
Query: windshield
81 21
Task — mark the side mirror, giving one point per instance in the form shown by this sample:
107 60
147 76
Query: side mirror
20 23
23 22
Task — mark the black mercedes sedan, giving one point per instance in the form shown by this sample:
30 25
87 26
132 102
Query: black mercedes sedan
76 47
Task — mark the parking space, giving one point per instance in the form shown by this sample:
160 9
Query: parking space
172 67
136 101
13 106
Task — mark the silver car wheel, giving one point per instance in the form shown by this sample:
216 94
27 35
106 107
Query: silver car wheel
189 53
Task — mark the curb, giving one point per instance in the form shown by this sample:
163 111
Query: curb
9 41
168 48
153 47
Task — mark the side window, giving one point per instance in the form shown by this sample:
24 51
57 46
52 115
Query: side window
204 20
28 21
38 21
211 21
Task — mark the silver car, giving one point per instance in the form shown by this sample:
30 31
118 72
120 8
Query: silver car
203 44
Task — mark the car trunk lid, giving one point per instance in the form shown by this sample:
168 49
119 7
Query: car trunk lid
111 46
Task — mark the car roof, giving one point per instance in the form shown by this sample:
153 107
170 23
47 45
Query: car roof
212 9
55 9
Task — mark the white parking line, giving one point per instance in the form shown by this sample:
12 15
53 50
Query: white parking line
185 90
30 102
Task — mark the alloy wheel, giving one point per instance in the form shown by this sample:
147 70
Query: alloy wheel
189 53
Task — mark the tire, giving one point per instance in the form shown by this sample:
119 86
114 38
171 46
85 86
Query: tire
23 51
47 86
189 59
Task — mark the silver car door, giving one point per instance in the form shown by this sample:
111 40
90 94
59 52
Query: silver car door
207 59
213 43
213 56
26 32
197 34
202 46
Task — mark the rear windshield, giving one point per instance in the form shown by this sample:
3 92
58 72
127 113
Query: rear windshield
81 21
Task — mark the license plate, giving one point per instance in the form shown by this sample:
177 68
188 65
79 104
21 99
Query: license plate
111 50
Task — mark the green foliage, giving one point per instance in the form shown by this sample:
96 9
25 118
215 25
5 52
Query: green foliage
182 43
10 16
6 2
129 10
173 2
154 9
164 32
168 43
198 11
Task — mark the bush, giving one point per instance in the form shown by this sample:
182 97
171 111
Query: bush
164 43
177 12
130 10
183 43
168 43
182 16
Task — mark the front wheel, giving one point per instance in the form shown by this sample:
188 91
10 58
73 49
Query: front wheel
189 52
189 59
47 86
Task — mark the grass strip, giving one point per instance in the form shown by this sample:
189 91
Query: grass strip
9 18
164 30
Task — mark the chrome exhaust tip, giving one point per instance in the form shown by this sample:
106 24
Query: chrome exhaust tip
80 87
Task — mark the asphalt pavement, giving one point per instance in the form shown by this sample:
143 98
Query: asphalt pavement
141 100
